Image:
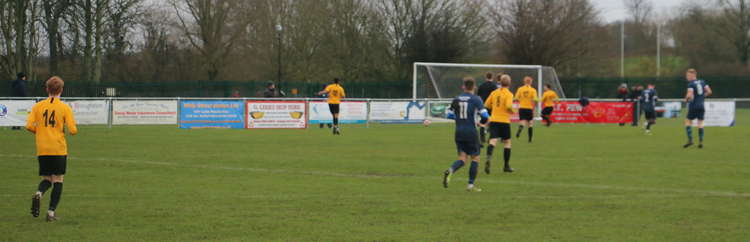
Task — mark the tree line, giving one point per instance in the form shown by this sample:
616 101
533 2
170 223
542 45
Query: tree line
314 40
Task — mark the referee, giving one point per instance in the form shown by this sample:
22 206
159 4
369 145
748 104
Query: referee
484 92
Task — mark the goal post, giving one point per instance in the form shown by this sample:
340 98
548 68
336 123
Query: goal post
443 80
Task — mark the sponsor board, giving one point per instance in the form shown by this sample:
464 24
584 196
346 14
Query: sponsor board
90 112
15 112
276 114
350 112
144 112
212 114
398 112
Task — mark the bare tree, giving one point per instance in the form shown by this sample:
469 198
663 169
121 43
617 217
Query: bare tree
19 31
737 27
639 10
212 27
54 11
548 33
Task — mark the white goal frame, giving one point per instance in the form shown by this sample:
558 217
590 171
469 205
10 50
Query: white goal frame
527 67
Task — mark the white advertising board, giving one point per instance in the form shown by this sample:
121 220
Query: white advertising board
15 112
144 112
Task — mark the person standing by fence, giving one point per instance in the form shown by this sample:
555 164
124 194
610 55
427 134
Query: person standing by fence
18 89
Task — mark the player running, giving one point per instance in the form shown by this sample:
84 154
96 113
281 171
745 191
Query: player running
648 105
46 121
463 110
527 98
697 91
335 94
549 98
484 92
501 103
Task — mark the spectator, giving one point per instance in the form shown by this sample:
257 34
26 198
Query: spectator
270 90
19 85
635 97
622 93
235 93
18 89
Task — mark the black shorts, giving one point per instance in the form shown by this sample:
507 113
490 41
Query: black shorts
694 113
499 130
650 114
547 111
334 108
468 147
526 114
52 164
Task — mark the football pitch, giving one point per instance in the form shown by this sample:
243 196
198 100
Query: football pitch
383 183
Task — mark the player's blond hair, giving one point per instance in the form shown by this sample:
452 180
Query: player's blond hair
54 85
505 80
527 80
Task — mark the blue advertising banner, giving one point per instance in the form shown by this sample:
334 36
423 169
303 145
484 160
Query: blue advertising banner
212 114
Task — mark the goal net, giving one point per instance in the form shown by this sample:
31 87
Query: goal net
443 80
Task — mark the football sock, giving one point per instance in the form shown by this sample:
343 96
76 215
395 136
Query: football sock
57 188
457 165
648 126
481 135
490 148
473 171
336 122
43 186
520 128
546 119
700 135
531 133
506 157
689 131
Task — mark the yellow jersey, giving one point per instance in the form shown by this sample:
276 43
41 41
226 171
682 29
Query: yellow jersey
335 93
46 121
549 98
526 96
501 103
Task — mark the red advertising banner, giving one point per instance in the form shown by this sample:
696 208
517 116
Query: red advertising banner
276 114
595 112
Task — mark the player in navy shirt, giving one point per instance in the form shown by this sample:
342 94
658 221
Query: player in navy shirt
648 104
464 110
697 92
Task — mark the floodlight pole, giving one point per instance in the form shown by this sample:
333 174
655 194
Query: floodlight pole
658 50
622 49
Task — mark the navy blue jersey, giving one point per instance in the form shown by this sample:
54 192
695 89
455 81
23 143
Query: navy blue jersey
649 99
465 107
699 94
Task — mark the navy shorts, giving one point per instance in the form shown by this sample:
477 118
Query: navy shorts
650 114
468 147
696 113
52 165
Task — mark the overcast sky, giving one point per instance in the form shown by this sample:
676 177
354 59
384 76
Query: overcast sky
614 10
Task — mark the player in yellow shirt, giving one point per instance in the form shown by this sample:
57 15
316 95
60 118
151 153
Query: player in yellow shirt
335 94
46 121
527 98
501 103
549 98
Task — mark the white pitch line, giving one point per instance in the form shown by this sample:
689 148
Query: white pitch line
371 176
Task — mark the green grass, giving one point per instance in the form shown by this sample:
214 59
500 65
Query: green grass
574 183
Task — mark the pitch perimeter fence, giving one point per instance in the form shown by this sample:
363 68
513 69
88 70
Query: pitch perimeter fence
303 112
592 87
